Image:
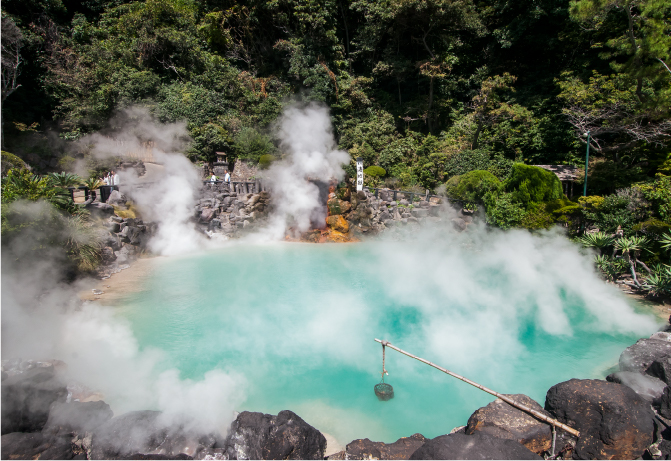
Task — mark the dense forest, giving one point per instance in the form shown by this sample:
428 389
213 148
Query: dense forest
453 95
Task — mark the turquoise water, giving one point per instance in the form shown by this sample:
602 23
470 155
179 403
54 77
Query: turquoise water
298 322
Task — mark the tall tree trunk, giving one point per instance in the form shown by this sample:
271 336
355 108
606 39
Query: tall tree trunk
428 113
344 20
476 136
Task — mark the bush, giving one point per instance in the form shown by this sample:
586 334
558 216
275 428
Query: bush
531 184
266 160
473 185
251 145
375 171
503 210
465 161
10 161
611 213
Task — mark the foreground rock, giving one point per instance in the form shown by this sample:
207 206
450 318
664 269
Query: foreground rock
27 397
507 422
77 417
648 387
403 448
477 446
285 436
648 356
35 445
144 433
614 422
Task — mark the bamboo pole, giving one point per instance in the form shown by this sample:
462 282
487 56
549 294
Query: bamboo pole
531 411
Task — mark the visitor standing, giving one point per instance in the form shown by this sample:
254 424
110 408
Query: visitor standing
106 179
213 179
115 180
227 179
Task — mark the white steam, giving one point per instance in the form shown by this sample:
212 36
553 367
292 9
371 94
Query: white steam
306 139
168 196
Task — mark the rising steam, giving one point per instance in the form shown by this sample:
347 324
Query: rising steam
306 139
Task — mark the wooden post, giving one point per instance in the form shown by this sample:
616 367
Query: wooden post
508 400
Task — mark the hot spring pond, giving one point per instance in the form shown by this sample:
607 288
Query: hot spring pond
297 321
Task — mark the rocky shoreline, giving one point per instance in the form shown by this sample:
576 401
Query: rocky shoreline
625 416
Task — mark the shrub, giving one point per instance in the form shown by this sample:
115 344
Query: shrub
503 210
375 171
266 160
10 161
531 184
251 144
473 185
465 161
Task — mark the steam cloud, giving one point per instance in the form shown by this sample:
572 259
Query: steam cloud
169 198
306 137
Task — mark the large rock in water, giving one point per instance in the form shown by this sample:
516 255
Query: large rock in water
403 448
35 445
649 356
476 446
507 422
100 209
27 397
285 436
143 433
613 420
665 403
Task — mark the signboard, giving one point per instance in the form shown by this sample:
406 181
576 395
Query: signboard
359 174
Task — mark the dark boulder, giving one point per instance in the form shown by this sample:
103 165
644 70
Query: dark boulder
648 387
665 403
476 446
401 449
35 445
27 397
507 422
143 432
649 356
100 209
459 224
76 417
613 420
285 436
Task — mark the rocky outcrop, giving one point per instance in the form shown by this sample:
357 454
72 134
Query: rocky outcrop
614 422
144 433
35 445
123 241
477 446
338 223
507 422
27 397
77 417
100 209
220 211
665 403
285 436
403 448
648 387
648 356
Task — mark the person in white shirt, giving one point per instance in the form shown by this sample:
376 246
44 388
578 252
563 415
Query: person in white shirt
106 180
213 178
227 178
115 179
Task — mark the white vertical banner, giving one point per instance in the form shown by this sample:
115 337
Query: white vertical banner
359 174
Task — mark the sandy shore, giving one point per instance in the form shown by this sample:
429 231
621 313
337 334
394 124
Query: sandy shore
120 284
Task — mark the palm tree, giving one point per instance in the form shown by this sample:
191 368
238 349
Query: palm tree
631 247
64 180
666 241
598 240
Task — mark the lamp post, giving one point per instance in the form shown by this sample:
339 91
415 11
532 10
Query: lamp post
584 192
